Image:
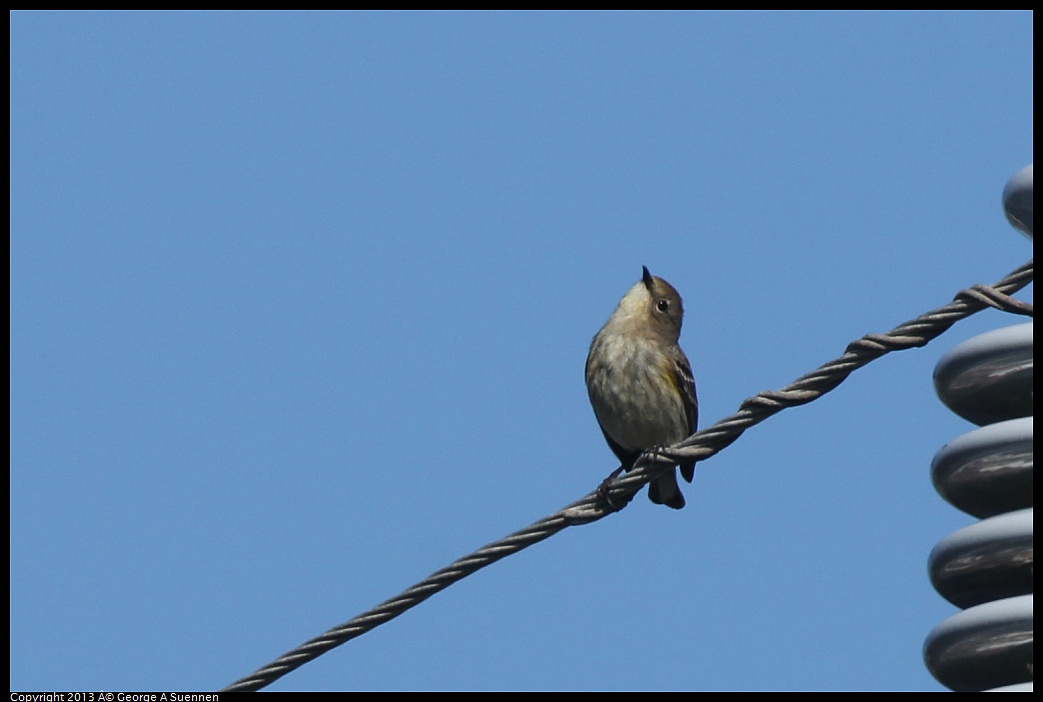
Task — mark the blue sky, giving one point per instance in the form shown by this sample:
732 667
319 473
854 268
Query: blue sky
300 305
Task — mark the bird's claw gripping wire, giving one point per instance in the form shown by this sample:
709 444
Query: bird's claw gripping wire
604 493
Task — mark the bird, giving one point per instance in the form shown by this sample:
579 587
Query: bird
640 382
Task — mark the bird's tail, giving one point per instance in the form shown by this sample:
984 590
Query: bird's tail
664 490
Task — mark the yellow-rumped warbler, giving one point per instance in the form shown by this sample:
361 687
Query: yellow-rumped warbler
640 383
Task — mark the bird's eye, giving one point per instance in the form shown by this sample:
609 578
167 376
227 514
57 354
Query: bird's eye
662 305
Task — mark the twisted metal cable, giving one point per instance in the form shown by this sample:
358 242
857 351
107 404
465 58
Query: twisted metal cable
753 410
614 494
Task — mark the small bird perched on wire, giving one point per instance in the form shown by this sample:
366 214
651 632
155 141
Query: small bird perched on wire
640 382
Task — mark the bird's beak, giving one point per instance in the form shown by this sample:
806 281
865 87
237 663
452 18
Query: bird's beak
646 277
